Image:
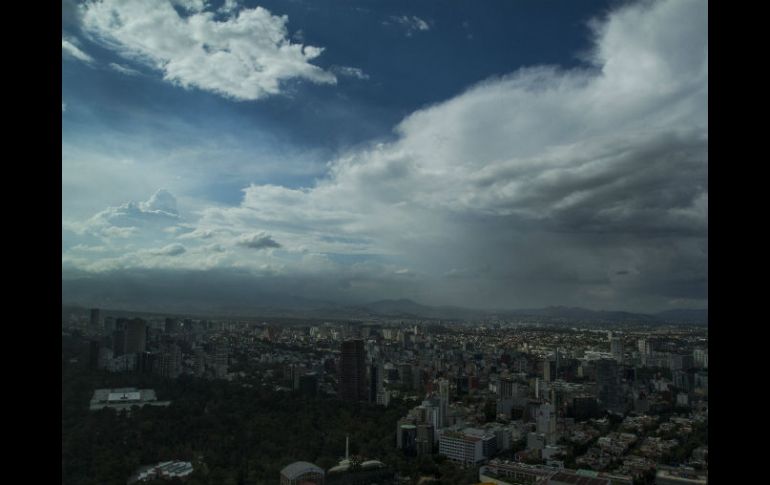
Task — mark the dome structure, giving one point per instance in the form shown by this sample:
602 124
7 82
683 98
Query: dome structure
302 472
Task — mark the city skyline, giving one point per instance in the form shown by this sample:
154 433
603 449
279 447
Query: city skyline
491 156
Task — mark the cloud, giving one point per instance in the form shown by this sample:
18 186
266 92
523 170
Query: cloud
124 70
69 49
586 186
409 24
126 220
170 250
244 57
258 241
349 72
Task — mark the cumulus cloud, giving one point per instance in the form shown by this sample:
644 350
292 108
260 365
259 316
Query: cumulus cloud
69 49
585 186
155 214
244 57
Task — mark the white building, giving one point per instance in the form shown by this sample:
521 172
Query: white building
467 447
124 398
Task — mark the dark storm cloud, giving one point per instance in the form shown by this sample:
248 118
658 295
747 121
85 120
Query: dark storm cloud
258 241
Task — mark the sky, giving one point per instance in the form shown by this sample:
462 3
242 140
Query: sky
492 155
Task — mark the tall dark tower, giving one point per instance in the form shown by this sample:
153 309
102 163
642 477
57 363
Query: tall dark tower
608 381
375 381
353 371
95 322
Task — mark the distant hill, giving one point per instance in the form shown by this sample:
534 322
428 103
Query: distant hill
290 306
700 317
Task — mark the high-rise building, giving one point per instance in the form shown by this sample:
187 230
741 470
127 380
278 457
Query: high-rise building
505 388
549 370
308 384
353 371
546 422
616 348
172 325
443 409
95 324
136 336
109 325
220 360
170 361
375 381
405 373
608 383
119 342
93 354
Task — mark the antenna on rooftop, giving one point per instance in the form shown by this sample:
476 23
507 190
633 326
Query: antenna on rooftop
347 443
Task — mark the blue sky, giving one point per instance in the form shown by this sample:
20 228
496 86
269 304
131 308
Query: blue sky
391 149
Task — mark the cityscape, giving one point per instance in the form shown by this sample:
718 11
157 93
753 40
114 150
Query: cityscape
498 401
384 242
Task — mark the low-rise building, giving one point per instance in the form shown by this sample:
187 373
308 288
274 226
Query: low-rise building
124 398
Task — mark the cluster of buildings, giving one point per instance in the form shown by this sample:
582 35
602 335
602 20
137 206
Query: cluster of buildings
168 349
541 395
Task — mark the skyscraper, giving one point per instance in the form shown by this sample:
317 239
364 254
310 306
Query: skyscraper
95 324
608 381
353 371
616 348
443 409
375 381
136 336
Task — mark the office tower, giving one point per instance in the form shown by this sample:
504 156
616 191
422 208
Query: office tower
425 438
109 325
172 325
95 324
170 361
145 362
608 383
616 348
353 371
375 382
119 342
505 388
405 373
93 354
549 370
220 360
308 384
136 336
546 422
642 345
443 410
557 363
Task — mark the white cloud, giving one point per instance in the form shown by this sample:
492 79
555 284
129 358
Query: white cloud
245 57
410 24
124 70
350 72
71 50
